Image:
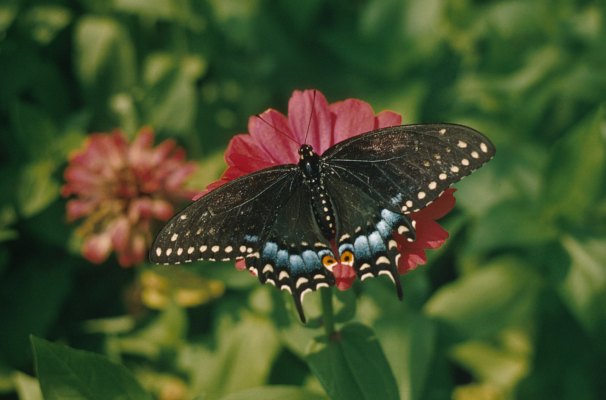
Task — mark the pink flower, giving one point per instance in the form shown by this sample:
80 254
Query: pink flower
120 189
267 145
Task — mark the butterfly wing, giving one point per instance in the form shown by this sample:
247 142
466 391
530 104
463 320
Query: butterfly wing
291 257
409 166
365 228
378 178
228 223
266 219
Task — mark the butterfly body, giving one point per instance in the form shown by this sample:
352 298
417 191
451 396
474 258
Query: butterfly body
293 224
311 170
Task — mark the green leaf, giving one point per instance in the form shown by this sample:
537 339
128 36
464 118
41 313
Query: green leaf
503 367
171 100
28 388
578 163
37 187
243 359
352 365
105 55
584 289
167 331
8 12
66 373
408 340
495 230
274 393
487 300
46 21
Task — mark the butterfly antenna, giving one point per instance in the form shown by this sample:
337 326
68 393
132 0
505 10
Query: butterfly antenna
313 107
278 130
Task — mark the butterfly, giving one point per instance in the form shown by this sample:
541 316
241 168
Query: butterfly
293 223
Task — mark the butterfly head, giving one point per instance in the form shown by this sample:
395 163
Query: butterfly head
305 151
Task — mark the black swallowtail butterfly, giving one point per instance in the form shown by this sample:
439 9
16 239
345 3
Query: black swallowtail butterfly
287 222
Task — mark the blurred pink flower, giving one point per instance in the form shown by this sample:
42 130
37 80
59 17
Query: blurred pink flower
267 145
120 188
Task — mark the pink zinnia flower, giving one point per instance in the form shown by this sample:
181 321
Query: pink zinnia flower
267 144
120 188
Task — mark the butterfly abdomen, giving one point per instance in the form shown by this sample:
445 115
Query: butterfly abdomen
323 210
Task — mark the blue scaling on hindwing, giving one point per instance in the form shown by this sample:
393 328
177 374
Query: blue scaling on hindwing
282 259
362 248
384 229
375 251
376 242
398 223
297 266
311 260
291 268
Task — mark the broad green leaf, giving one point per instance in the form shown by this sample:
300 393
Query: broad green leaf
243 358
167 331
352 365
510 224
171 99
498 365
578 163
487 300
584 289
28 388
104 53
37 187
274 393
409 342
66 373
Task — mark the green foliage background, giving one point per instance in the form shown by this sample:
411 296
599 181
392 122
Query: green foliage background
512 307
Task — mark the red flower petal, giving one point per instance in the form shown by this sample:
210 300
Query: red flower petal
430 235
344 276
386 119
273 139
352 117
310 120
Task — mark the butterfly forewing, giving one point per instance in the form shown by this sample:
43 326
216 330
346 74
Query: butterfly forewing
410 165
229 222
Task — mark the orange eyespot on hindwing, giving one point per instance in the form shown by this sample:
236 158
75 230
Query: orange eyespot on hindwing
347 258
329 262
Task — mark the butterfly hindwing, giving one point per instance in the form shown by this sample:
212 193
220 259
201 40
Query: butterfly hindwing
228 223
365 229
291 258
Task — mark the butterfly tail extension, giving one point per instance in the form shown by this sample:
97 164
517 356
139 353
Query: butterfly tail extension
296 270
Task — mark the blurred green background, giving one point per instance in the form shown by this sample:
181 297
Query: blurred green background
512 307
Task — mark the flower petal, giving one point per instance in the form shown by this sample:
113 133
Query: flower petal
386 119
96 248
344 276
310 119
274 138
351 118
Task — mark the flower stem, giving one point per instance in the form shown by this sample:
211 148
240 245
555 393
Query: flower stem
328 312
